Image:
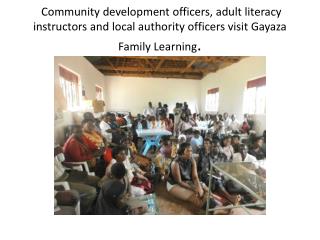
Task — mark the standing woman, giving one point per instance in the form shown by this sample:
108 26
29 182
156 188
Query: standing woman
183 181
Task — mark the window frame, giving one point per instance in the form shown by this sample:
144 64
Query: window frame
253 87
72 90
214 93
101 92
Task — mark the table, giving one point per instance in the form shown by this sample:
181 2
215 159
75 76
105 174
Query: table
248 177
152 137
201 125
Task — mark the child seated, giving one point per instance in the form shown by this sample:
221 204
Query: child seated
163 159
113 198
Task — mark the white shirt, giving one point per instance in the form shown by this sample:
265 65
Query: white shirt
177 114
153 125
249 158
227 123
58 169
127 119
196 143
104 127
234 125
149 111
237 157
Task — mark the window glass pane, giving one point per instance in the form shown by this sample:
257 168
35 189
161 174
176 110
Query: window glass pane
250 101
212 102
261 100
71 93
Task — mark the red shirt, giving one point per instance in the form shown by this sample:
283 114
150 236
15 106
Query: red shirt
76 151
245 127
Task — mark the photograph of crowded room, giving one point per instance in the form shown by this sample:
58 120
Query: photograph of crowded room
160 135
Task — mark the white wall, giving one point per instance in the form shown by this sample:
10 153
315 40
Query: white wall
133 93
89 77
232 83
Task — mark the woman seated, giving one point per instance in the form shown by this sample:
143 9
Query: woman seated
153 123
176 143
79 148
89 115
218 126
165 123
227 148
245 127
257 150
90 132
139 184
114 197
183 181
184 124
132 155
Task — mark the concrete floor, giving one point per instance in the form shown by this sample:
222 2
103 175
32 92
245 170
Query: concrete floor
168 205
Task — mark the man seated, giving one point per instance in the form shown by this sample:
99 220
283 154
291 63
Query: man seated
105 126
196 141
234 125
211 153
65 202
120 120
243 156
117 133
227 121
235 142
257 149
80 181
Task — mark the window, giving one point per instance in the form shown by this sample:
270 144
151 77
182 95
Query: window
69 83
99 93
255 96
212 100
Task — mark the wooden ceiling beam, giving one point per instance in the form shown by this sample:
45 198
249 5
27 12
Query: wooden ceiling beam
159 65
143 69
158 75
149 63
188 66
186 58
112 66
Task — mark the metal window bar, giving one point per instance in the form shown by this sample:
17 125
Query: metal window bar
243 206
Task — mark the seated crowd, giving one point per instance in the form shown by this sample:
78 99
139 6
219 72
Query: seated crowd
116 174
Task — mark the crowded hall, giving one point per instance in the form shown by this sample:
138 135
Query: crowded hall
159 135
